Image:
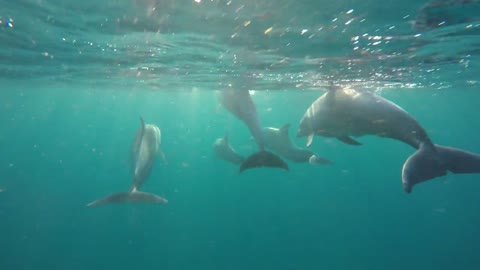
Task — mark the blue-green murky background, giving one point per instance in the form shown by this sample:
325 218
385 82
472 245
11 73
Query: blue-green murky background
67 123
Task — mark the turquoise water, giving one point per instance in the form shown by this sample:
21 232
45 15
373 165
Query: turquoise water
76 76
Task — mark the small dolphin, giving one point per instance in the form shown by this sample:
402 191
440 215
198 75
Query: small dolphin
225 151
240 104
143 153
343 113
278 140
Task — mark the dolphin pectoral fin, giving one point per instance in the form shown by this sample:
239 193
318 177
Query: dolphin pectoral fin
142 122
129 197
162 155
349 140
314 160
284 129
164 158
263 159
225 137
309 139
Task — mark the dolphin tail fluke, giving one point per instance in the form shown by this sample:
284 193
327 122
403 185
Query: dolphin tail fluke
431 161
458 160
129 197
263 159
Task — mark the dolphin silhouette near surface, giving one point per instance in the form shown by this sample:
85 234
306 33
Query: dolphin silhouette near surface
240 104
344 113
144 150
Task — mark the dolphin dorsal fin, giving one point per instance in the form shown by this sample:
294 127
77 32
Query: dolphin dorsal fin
225 137
284 129
142 123
142 128
330 95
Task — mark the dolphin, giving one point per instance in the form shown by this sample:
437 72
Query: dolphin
278 140
144 150
343 113
225 151
240 104
1 190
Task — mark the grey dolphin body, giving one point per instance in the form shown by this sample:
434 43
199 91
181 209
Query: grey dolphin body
278 140
144 150
342 113
240 104
225 151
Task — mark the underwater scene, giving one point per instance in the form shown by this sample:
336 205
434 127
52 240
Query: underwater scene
239 134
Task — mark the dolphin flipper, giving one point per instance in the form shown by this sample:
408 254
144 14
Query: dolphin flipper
349 140
284 129
225 137
129 197
263 159
314 160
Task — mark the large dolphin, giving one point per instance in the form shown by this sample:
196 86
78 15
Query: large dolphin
240 104
144 150
343 113
278 140
225 151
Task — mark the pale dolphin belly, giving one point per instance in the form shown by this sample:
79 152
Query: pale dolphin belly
144 155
